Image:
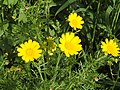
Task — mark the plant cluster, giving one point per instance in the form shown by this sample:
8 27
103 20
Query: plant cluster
59 45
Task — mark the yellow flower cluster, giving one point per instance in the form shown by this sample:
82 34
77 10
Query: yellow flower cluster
31 50
69 43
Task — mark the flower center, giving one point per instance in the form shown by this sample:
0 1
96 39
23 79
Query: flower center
74 22
29 51
69 45
110 48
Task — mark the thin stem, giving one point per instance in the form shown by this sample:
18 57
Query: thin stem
111 72
94 29
47 12
44 67
115 82
39 70
2 62
27 69
56 68
113 22
116 18
90 4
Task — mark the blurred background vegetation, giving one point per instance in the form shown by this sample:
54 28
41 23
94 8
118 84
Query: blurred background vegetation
21 20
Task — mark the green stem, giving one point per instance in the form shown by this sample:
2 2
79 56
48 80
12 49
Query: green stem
115 19
115 82
38 35
56 68
27 69
111 72
3 61
47 12
70 72
90 4
94 29
44 67
39 70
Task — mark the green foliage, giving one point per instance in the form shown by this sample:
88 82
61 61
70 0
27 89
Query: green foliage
21 20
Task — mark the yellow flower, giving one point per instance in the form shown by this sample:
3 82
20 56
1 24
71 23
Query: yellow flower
70 44
110 47
29 50
50 45
13 68
75 21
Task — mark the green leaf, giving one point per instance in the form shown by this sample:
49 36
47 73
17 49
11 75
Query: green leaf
52 32
10 2
81 10
107 14
5 2
5 26
67 3
1 33
22 16
102 26
52 4
114 1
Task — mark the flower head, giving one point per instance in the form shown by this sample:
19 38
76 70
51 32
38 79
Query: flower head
75 21
13 68
29 50
70 44
110 47
50 45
